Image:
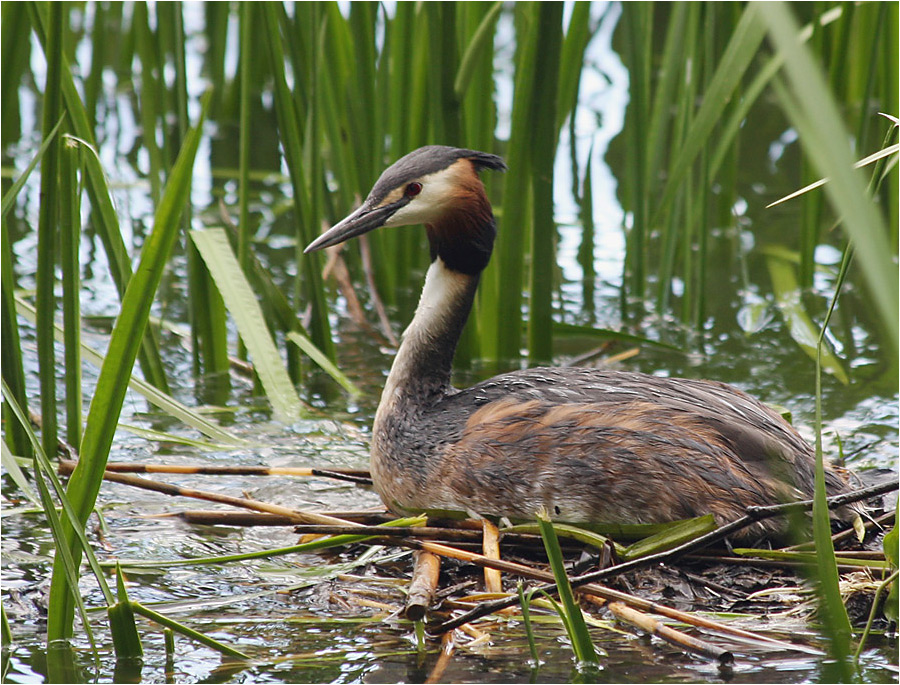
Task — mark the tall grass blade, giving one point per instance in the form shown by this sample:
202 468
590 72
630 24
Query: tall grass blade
48 222
214 248
543 156
738 55
63 559
12 466
70 240
306 225
106 403
501 317
11 350
582 644
474 52
524 601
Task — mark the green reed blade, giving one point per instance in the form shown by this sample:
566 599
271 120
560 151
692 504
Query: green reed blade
12 467
571 61
16 57
48 221
891 552
738 55
672 535
70 240
329 367
501 313
11 350
306 225
823 138
106 404
247 21
216 252
149 95
582 644
476 49
800 325
187 632
543 156
63 560
9 197
126 640
524 601
636 25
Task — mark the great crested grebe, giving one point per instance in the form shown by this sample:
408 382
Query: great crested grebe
586 445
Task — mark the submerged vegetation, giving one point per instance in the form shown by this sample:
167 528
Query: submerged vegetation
248 127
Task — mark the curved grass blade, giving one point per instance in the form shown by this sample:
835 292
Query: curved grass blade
16 473
324 362
155 396
216 251
10 195
480 41
106 404
800 325
874 157
187 632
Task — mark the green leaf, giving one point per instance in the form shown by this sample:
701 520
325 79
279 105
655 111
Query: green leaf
242 305
121 623
324 362
892 602
673 535
10 195
14 472
582 644
804 332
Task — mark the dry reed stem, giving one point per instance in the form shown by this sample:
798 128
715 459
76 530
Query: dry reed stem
66 466
448 646
491 546
366 255
674 637
423 585
294 515
754 514
601 591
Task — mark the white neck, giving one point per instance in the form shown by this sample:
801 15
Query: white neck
423 362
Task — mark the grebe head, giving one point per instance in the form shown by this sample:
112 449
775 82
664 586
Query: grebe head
434 185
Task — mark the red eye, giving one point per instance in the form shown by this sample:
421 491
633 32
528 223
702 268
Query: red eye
413 189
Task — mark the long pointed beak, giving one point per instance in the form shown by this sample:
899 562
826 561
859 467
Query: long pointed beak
361 221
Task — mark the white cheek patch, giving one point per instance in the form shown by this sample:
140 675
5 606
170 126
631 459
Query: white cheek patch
430 204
